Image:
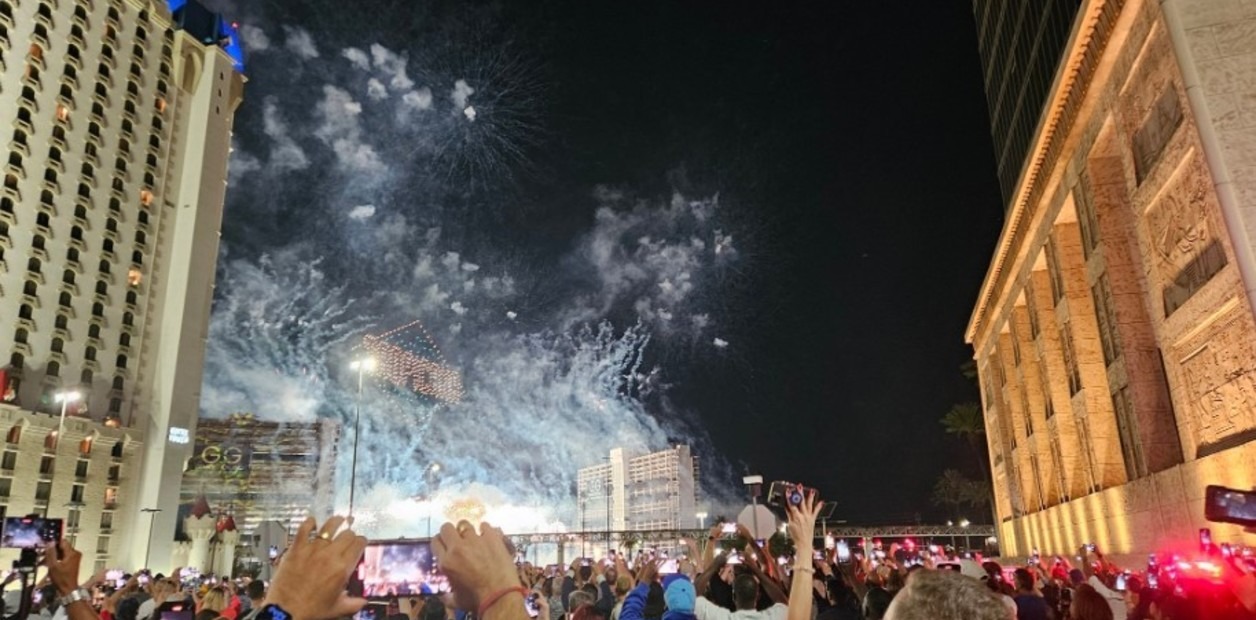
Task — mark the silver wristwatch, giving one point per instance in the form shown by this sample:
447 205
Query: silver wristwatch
79 594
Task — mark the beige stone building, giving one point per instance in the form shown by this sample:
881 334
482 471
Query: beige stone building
1114 333
115 130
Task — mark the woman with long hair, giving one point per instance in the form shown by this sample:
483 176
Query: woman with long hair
1088 604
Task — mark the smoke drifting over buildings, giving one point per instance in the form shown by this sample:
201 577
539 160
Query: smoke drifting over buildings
351 216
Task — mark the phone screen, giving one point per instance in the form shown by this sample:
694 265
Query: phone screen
30 532
1120 583
729 529
176 611
1230 506
529 605
843 551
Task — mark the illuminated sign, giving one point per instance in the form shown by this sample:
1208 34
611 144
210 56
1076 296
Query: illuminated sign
179 435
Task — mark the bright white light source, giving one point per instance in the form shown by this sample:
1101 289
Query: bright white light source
179 435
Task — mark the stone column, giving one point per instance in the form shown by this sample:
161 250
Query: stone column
228 540
179 554
200 529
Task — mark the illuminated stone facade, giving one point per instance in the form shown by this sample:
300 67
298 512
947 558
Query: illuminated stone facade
1114 333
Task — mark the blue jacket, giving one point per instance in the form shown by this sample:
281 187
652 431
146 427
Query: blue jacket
634 607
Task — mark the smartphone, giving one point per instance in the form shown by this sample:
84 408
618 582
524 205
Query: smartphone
1222 505
818 556
1153 580
830 542
729 529
143 579
586 562
529 605
1152 563
1120 582
1205 539
734 559
30 532
274 551
843 552
1090 547
176 611
670 567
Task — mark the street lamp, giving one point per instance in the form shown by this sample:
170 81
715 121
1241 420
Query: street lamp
702 517
65 398
429 474
361 366
152 517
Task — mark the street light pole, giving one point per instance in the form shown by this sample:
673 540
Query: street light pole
362 366
432 469
152 518
65 397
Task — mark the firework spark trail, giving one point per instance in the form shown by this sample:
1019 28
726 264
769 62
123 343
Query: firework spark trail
558 357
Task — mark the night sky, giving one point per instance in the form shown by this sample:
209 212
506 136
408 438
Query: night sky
848 144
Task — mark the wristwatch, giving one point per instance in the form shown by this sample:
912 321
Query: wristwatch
272 612
75 596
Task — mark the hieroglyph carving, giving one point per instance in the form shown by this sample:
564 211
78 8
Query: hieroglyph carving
1220 383
1188 251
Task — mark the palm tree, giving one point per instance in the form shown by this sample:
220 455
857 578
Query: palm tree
966 422
951 490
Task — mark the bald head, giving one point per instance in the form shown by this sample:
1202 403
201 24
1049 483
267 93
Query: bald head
945 595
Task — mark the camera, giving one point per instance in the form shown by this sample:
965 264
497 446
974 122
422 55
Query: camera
782 494
30 532
529 604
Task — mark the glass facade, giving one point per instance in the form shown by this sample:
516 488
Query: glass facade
1021 44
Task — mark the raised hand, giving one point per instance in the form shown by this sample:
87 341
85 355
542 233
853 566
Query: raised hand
310 581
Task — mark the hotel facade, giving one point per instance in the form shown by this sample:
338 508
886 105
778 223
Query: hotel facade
1114 332
116 122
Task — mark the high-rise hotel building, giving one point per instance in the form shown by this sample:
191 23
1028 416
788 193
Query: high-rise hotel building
115 129
1114 332
656 491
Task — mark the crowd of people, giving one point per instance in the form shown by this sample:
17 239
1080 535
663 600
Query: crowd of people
741 581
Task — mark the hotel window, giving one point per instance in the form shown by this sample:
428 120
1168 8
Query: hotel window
53 369
19 137
86 377
121 361
111 225
58 345
125 341
30 289
72 255
9 461
141 34
76 494
93 331
132 89
118 381
124 146
43 490
1032 306
131 300
71 72
6 485
44 10
93 129
102 288
62 321
90 354
103 69
64 300
45 198
17 361
76 233
140 237
137 257
127 127
66 93
129 106
21 336
114 205
128 319
24 114
98 309
104 266
120 165
25 312
161 86
34 264
135 70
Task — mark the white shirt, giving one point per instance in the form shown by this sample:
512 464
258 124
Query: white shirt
706 610
1115 599
1010 604
146 609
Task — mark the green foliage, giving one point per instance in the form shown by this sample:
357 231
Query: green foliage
965 421
954 490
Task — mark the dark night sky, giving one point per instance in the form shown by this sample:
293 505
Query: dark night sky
849 142
856 133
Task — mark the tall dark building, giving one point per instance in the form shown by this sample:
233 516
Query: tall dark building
1021 43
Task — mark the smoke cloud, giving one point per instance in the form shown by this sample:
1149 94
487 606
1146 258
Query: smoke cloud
562 357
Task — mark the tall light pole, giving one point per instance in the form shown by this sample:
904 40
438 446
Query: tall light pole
430 474
152 518
702 517
65 398
361 366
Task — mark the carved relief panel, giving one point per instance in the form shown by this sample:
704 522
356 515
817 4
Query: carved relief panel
1218 377
1185 237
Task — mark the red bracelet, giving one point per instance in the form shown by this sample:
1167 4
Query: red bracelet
497 596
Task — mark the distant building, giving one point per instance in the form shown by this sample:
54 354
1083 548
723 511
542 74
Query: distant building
1114 333
255 471
116 117
650 492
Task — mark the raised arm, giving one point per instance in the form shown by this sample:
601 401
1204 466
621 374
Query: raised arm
802 527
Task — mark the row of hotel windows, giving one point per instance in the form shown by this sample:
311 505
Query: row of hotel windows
113 20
